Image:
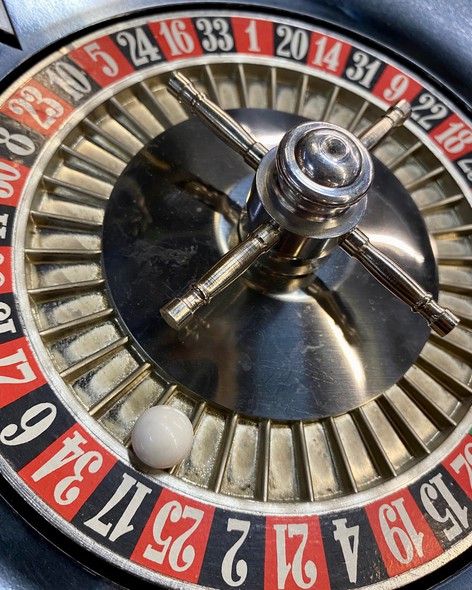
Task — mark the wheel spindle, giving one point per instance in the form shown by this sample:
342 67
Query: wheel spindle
314 185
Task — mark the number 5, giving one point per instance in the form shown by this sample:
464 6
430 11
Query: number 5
93 50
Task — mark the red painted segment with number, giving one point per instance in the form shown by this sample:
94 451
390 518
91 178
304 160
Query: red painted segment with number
19 371
103 61
177 38
12 180
174 539
36 107
402 533
453 136
393 85
328 54
459 465
253 36
294 554
68 471
5 270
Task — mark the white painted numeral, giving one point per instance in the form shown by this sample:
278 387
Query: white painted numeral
33 423
216 34
123 525
70 78
21 364
6 321
456 514
428 110
398 86
65 492
456 138
464 461
400 534
229 564
294 44
8 174
364 69
251 31
327 57
466 166
3 225
16 143
348 537
110 68
2 274
142 51
179 40
175 549
45 111
304 573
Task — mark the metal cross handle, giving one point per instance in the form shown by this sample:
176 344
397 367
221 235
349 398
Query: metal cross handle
232 265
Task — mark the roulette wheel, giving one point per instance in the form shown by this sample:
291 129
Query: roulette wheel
332 427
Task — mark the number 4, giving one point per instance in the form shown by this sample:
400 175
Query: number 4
348 537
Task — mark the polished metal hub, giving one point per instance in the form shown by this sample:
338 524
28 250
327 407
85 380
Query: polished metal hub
289 186
322 347
328 157
314 183
326 164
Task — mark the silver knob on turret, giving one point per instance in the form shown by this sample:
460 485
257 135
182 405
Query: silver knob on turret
328 157
314 184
